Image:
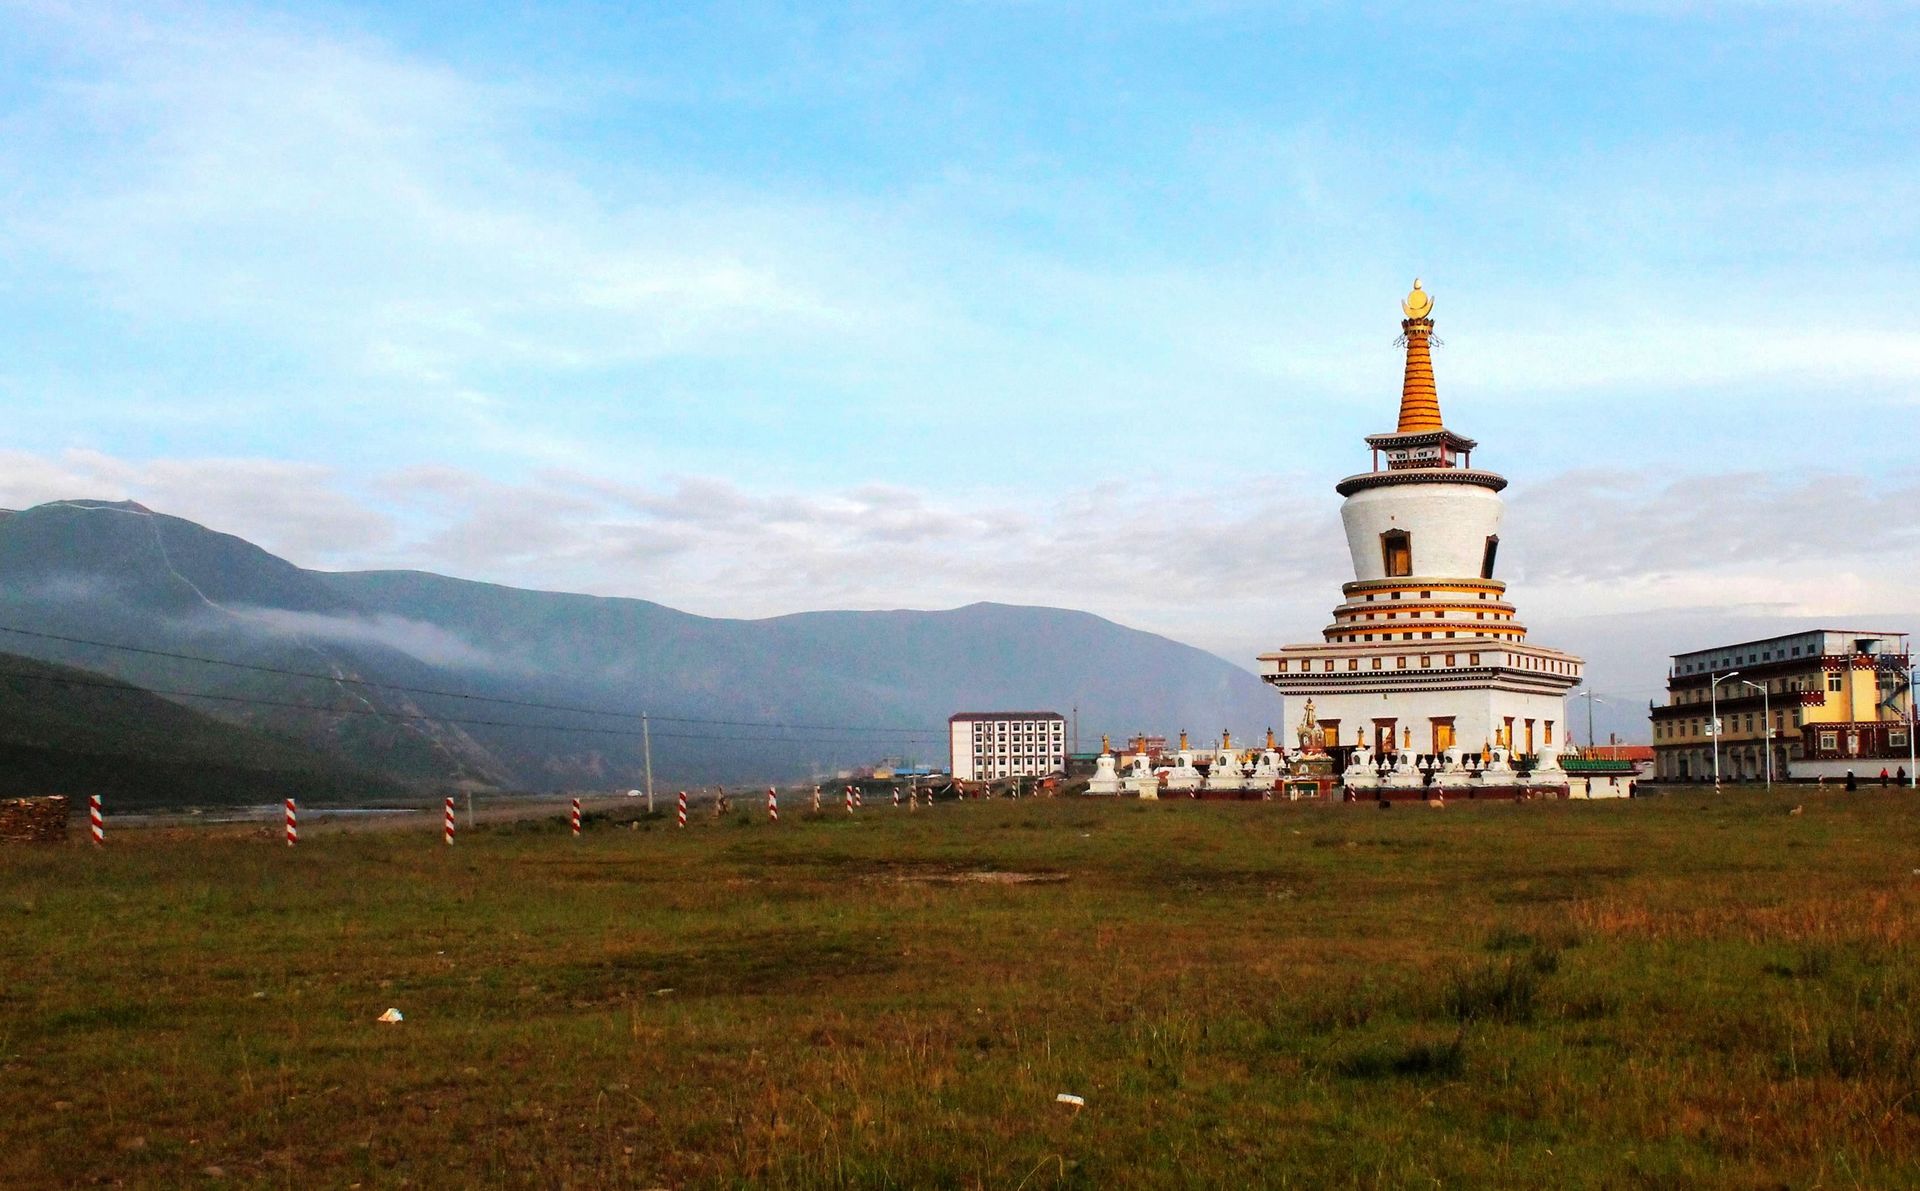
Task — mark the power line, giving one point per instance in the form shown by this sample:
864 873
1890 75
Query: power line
437 692
126 688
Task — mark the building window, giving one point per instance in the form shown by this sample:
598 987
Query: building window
1329 665
1449 659
1426 660
1486 559
1376 663
1399 663
1353 663
1396 553
1549 727
1833 682
1473 659
1829 741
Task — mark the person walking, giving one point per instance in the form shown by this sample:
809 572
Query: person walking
1883 777
1851 784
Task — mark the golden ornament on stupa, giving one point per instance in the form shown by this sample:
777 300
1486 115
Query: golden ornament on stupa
1417 304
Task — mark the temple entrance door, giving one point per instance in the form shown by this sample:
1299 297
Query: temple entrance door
1384 740
1442 734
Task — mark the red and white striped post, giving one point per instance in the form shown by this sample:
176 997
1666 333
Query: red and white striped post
849 800
94 819
449 822
576 818
683 808
773 806
896 798
293 825
816 800
860 798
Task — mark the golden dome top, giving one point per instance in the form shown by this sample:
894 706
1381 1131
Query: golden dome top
1417 304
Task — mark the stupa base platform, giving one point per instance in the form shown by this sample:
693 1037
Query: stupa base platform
1502 793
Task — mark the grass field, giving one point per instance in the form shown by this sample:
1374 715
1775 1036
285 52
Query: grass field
1671 991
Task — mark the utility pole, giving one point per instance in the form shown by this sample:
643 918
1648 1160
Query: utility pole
646 748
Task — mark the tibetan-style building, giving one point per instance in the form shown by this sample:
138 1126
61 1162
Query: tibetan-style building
1425 652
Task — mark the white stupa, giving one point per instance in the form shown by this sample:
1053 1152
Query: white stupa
1425 653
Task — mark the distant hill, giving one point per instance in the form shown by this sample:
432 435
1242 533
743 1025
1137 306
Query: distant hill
74 732
864 685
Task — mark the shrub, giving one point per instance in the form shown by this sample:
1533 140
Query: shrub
1503 992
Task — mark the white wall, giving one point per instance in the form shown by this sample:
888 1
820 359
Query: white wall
1476 713
960 735
1449 524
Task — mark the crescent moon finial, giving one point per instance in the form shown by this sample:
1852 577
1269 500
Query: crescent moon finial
1418 303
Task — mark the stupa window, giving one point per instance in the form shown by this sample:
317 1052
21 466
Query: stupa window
1396 549
1486 559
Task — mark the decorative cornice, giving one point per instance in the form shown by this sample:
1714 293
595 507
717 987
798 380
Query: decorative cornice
1421 475
1421 438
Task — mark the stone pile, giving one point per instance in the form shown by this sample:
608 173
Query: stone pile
33 820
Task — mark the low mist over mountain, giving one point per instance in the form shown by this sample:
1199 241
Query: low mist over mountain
321 655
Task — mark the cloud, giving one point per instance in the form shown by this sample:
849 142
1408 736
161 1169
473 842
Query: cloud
429 643
399 223
1809 544
299 507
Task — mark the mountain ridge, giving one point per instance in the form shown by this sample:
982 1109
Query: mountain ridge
722 694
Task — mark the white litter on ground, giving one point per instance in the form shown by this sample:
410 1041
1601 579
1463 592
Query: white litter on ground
391 1015
1070 1098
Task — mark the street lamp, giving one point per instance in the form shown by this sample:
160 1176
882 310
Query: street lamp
1913 723
1713 720
1766 725
1591 700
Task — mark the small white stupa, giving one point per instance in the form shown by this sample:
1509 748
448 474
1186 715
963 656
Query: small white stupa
1106 779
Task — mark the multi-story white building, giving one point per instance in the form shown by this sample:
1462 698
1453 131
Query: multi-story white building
997 744
1425 653
1823 701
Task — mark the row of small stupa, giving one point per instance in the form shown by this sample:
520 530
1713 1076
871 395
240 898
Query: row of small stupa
1233 771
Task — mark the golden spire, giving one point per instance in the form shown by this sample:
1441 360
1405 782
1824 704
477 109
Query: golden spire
1419 402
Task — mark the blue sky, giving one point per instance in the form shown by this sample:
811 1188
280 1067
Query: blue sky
751 308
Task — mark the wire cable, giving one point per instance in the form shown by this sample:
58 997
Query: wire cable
128 688
446 694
